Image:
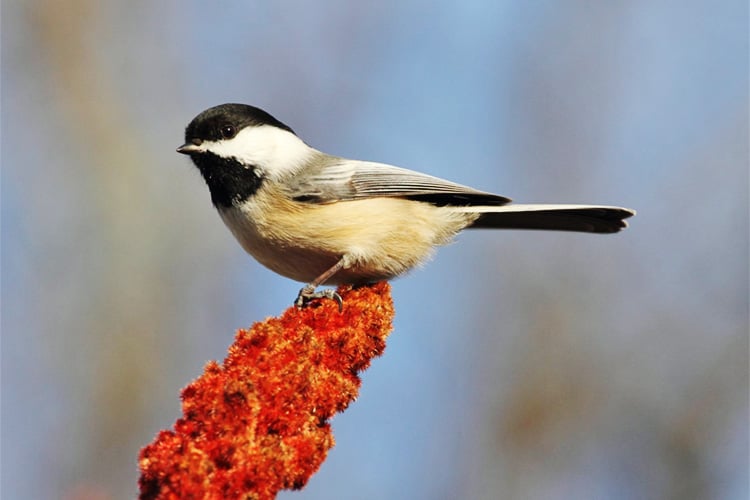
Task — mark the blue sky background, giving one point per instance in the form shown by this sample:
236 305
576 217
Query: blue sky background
522 364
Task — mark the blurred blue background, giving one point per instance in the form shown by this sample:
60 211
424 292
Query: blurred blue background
522 365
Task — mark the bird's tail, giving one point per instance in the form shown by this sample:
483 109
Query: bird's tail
583 218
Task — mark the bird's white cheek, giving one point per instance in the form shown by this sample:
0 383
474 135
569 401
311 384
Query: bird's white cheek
273 150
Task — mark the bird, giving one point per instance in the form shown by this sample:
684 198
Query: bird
326 220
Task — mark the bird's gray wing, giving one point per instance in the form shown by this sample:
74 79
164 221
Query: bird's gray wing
335 179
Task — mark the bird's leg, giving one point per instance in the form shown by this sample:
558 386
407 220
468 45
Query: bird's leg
308 293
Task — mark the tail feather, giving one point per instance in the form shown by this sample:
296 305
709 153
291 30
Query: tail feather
583 218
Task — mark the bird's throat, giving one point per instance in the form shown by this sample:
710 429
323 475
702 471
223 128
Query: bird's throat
229 181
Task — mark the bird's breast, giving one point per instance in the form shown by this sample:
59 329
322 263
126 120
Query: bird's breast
381 237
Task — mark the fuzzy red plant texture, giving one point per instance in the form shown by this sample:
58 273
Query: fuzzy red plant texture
259 422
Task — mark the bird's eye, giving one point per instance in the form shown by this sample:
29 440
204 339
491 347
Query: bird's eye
228 131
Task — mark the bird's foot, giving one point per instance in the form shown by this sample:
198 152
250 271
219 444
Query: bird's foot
308 293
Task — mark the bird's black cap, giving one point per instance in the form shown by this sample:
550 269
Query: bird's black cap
211 124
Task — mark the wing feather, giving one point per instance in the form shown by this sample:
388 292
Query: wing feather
350 180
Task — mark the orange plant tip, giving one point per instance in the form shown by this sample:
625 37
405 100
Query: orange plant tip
259 422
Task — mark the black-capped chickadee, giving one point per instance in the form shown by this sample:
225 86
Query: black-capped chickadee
325 220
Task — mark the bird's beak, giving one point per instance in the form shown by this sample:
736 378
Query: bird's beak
189 148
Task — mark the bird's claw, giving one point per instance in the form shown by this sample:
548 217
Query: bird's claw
308 293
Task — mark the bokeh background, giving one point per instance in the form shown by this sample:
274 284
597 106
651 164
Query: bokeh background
522 365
